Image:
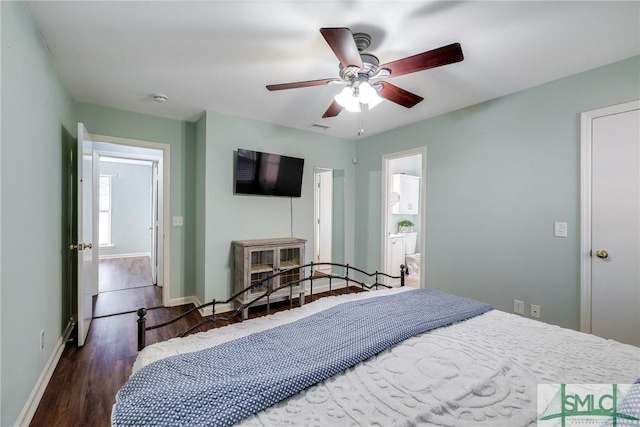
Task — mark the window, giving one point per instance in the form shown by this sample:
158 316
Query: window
104 211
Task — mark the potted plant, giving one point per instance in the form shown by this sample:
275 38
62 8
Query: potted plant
405 226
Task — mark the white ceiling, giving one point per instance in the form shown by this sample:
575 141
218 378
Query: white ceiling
219 55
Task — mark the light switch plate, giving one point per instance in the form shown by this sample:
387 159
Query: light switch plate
518 306
178 221
560 229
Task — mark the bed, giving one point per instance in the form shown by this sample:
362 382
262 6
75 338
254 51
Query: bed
480 371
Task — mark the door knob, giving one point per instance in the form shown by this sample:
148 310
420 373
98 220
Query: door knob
602 254
88 245
79 246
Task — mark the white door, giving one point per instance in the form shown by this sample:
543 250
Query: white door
323 217
87 251
615 225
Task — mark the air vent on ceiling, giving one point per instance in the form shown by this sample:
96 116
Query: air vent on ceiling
319 126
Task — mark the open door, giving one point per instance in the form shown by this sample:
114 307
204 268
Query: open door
87 266
154 223
323 221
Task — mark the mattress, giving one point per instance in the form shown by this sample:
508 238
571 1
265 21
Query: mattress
482 371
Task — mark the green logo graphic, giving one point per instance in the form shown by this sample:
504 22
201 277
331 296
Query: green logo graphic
600 404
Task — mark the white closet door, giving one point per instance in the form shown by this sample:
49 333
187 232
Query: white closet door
615 268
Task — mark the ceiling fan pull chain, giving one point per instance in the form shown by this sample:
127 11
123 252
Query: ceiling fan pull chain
363 107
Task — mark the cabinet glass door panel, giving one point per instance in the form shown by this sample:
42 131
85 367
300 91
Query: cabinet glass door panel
288 277
257 284
262 261
289 257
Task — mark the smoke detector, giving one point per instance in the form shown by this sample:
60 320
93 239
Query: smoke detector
160 97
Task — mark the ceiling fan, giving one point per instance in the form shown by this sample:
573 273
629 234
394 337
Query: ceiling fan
361 71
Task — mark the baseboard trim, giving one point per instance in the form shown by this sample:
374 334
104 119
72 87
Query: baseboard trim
29 409
184 300
220 308
114 256
207 311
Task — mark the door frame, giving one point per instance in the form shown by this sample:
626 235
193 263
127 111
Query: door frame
386 190
586 157
164 231
153 160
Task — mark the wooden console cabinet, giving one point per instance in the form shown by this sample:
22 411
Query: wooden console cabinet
255 260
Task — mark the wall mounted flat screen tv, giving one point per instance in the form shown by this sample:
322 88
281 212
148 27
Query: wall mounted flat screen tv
268 174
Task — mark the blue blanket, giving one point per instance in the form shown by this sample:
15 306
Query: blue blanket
222 385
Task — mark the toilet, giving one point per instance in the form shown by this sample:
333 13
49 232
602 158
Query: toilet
412 259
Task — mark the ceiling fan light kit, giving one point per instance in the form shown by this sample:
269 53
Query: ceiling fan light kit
348 100
356 69
353 95
367 94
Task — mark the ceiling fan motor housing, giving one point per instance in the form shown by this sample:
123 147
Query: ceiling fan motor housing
362 40
370 63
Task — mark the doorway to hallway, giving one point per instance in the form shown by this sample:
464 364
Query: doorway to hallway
131 207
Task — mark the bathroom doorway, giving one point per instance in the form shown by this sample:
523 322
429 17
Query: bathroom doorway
403 214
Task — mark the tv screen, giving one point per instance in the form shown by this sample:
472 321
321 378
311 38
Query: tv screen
268 174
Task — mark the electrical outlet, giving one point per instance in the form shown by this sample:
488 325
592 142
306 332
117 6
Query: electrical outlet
518 306
42 340
535 311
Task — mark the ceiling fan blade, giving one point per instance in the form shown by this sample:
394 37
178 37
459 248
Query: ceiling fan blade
423 61
400 96
341 41
308 83
333 110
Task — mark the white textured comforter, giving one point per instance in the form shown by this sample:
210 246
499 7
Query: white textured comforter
483 371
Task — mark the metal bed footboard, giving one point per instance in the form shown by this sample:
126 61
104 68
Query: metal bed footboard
267 283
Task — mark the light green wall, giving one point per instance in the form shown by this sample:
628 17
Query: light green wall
498 175
35 106
231 217
130 208
178 135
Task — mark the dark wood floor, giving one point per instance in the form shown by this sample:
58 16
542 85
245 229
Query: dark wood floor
124 273
82 389
127 300
125 284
